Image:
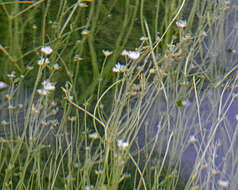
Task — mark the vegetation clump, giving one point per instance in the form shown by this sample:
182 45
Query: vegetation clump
82 108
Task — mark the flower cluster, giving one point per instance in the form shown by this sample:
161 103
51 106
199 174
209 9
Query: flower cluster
131 54
118 68
43 61
46 50
47 87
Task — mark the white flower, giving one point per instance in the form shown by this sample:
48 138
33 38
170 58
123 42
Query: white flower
43 61
93 135
47 50
236 117
107 52
3 85
192 139
34 109
56 67
99 172
12 75
204 34
143 38
11 107
181 23
83 5
124 53
223 183
43 92
72 118
122 144
47 85
77 58
85 32
34 27
133 55
76 165
185 102
235 95
119 68
29 68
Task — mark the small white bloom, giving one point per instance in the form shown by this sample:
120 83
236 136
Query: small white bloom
69 177
12 75
11 107
235 95
83 5
93 135
34 27
204 34
214 172
107 52
124 53
89 187
42 92
76 164
34 110
20 106
181 23
47 85
77 58
133 55
192 139
115 69
47 50
99 172
72 118
3 85
29 68
85 32
43 61
143 38
56 66
223 183
119 68
185 102
122 144
236 117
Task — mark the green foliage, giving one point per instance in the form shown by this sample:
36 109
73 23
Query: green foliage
77 148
